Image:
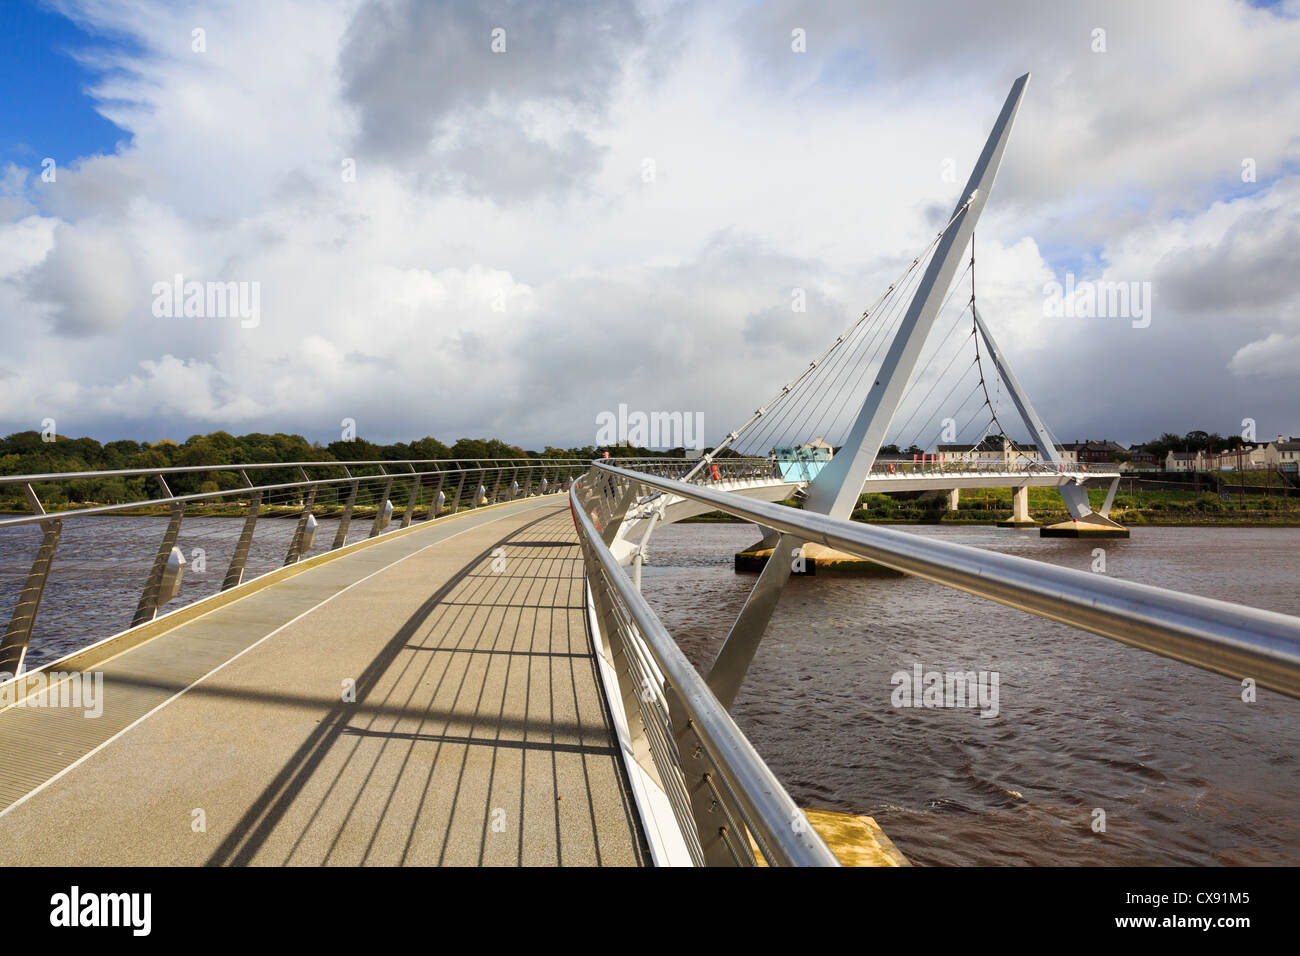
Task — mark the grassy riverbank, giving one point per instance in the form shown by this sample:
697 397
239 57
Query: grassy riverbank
1164 508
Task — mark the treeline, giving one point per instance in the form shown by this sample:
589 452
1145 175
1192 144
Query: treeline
27 453
1193 441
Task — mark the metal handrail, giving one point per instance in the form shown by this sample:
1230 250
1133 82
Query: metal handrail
475 463
167 571
959 466
244 491
776 822
1219 636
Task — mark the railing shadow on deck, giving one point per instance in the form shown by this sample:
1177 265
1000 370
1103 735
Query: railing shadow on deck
249 840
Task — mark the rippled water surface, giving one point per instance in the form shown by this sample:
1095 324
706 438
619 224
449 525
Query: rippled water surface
102 563
1185 771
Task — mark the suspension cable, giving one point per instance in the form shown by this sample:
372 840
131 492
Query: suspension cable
708 458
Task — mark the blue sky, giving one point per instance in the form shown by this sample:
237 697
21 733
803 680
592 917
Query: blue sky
45 110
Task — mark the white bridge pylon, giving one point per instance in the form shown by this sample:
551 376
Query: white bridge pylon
836 489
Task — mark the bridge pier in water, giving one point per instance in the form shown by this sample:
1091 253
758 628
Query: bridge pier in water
1091 525
814 559
1020 517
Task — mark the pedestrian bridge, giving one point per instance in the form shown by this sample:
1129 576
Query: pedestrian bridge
476 731
764 479
468 685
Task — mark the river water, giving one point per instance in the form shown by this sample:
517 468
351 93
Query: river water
103 562
1184 770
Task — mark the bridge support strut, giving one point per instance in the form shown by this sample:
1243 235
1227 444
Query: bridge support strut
836 489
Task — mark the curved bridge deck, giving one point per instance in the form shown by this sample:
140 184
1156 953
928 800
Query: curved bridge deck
478 734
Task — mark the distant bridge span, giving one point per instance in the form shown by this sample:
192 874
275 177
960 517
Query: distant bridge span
758 479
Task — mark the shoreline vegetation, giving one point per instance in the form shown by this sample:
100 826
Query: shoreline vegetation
1236 499
213 455
1132 509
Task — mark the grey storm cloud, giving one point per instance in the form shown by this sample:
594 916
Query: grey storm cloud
699 335
425 74
1253 268
497 159
90 280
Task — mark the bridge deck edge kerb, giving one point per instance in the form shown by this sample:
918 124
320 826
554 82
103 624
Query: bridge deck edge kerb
102 651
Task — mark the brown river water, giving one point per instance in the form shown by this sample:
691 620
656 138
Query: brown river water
1184 770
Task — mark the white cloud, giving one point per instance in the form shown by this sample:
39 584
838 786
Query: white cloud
501 267
1274 355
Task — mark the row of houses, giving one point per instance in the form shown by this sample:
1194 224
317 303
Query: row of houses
998 449
1282 454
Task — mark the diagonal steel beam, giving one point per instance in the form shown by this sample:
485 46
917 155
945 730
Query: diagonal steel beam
836 488
1075 496
737 651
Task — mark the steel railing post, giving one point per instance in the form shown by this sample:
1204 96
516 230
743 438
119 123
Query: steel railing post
410 501
615 517
434 504
18 635
378 524
345 520
295 546
455 504
479 497
147 609
235 573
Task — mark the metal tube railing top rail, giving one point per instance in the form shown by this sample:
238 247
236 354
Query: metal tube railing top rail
1231 639
437 490
957 467
484 470
470 463
702 728
731 467
753 466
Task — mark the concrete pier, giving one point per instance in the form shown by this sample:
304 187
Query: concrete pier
1020 517
1089 526
855 839
816 559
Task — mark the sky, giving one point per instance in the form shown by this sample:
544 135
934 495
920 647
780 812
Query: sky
614 205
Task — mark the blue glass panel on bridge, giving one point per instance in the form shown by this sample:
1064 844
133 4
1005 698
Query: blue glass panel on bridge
801 464
795 471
